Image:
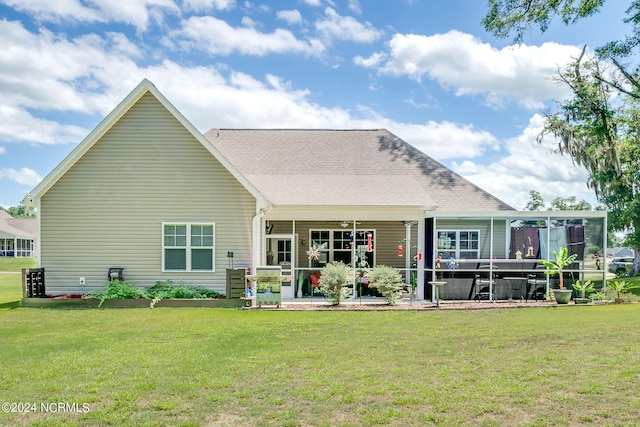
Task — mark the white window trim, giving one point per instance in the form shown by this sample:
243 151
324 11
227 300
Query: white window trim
457 249
330 251
188 248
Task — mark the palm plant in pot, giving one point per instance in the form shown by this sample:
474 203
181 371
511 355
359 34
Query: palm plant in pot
584 289
562 260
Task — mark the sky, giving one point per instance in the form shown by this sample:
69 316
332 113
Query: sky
426 70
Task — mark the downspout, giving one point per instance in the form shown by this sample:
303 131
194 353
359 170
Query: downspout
31 205
256 238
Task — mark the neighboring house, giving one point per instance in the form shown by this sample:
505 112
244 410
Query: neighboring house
619 252
147 192
16 236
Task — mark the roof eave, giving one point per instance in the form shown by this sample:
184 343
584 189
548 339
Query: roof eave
110 120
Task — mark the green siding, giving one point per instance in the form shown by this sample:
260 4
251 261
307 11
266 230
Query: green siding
108 209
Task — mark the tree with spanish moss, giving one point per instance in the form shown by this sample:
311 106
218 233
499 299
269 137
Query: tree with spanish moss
599 125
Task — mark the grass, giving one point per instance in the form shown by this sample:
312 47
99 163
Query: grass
11 282
560 366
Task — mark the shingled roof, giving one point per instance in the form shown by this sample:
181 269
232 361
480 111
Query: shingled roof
346 167
22 228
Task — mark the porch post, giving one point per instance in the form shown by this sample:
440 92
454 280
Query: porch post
420 263
407 257
354 294
256 231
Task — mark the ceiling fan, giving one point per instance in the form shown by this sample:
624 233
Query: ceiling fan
345 224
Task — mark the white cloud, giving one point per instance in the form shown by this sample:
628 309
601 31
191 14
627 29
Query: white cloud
461 61
336 27
3 150
207 95
528 166
24 176
445 140
219 38
17 125
205 5
291 17
371 61
50 72
313 3
55 10
134 12
354 5
210 99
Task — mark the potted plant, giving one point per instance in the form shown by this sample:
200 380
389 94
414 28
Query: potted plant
388 281
562 260
334 278
583 289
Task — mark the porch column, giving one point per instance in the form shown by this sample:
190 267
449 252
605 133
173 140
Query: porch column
256 239
420 263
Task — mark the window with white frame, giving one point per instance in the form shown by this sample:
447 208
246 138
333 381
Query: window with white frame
459 244
188 247
337 245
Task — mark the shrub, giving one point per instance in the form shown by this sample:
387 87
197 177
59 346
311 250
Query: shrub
167 290
117 289
621 287
334 278
388 281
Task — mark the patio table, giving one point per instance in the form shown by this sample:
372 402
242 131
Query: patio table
516 280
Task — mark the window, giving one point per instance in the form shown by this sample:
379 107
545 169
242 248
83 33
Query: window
284 252
459 244
337 245
188 247
24 248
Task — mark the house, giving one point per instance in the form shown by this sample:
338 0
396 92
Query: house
619 252
16 236
147 192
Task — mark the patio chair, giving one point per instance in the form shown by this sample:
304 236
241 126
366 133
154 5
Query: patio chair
484 283
536 284
315 282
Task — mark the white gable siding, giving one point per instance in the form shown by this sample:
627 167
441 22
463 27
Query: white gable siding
108 209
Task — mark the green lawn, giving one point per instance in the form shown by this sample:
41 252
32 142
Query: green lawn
226 367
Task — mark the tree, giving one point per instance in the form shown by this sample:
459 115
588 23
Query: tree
506 17
599 126
569 204
19 212
535 203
